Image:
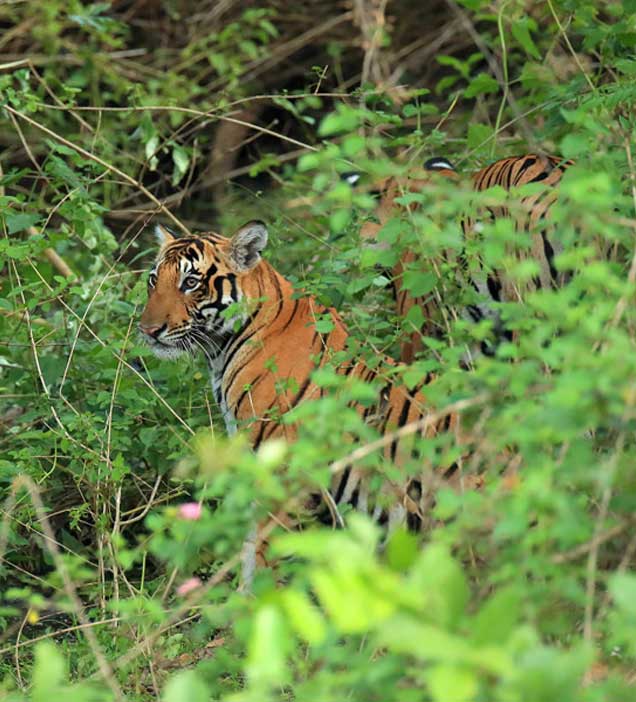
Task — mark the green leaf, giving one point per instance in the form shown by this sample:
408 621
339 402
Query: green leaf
438 575
19 222
461 67
324 325
304 617
339 220
574 145
418 283
404 634
352 145
186 686
497 618
482 84
450 682
308 162
181 159
151 145
622 587
267 648
401 550
49 672
350 600
520 28
344 119
626 66
479 135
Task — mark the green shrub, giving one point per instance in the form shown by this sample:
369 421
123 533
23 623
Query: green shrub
520 591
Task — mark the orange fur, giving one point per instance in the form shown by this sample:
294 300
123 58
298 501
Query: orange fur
262 358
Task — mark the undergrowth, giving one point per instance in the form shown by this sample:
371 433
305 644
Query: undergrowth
126 507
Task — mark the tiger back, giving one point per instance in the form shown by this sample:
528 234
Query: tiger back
530 214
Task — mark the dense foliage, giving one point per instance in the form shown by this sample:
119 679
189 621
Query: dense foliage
116 585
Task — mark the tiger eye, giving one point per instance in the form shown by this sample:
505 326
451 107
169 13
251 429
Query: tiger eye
190 283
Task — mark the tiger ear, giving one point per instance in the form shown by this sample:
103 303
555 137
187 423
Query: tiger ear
246 246
439 164
351 177
163 235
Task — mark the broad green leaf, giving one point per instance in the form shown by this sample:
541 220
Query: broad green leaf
404 634
622 587
401 551
351 599
575 144
49 672
482 84
186 686
20 221
479 135
352 145
521 32
345 119
495 621
151 145
418 283
267 648
181 161
449 682
339 220
304 617
442 583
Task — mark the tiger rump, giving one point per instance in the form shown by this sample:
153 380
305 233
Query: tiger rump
530 214
218 295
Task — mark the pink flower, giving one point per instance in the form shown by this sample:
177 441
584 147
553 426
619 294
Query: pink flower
190 511
188 586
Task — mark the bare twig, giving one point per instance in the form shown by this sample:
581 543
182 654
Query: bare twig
496 71
575 56
597 540
58 632
23 481
87 154
147 506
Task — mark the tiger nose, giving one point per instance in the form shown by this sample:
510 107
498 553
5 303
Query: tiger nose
151 329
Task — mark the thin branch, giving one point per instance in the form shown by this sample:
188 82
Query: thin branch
23 481
101 162
420 425
58 632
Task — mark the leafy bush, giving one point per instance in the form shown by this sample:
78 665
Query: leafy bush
127 510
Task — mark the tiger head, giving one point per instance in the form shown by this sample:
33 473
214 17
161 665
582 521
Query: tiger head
195 279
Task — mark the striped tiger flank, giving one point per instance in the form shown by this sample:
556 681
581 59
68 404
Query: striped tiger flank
217 295
530 214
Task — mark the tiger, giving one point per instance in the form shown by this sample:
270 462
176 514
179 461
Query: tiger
490 286
219 296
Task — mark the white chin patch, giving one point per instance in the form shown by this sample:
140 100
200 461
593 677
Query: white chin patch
168 352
